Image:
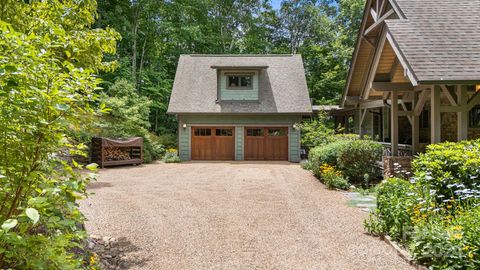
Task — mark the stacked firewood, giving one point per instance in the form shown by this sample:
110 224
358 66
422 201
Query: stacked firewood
115 153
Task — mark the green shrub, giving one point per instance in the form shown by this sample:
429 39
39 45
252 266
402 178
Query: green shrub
394 207
437 213
448 243
168 140
317 131
448 167
326 154
335 181
49 60
355 158
152 148
359 158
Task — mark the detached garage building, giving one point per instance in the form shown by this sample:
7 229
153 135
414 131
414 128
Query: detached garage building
239 107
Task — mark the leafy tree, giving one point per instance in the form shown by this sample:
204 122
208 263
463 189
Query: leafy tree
48 60
317 131
128 111
155 33
128 116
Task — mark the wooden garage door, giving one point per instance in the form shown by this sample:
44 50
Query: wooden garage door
266 143
213 143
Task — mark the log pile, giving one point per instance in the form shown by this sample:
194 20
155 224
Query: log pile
115 153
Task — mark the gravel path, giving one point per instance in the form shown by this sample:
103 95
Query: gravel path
235 215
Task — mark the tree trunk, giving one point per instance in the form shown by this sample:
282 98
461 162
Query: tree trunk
136 12
142 57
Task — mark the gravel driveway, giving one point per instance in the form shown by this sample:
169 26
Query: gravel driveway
235 215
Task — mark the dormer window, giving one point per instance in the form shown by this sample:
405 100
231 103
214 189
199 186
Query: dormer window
239 81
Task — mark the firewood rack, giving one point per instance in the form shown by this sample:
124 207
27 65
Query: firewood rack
112 152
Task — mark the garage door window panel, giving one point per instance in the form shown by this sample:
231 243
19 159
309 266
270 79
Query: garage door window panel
224 132
277 132
202 132
255 132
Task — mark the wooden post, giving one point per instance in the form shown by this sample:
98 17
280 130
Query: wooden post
386 123
394 123
462 115
415 126
435 115
358 121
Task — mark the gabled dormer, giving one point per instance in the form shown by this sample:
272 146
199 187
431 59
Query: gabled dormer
238 83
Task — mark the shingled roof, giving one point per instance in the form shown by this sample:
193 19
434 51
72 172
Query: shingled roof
282 87
440 39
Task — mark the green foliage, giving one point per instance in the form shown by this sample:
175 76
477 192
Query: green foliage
155 33
317 131
394 207
335 181
168 140
437 213
358 158
326 154
447 165
451 244
354 158
153 148
171 156
48 60
128 111
128 116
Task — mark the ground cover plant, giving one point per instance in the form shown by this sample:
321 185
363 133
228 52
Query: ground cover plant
48 60
436 213
171 156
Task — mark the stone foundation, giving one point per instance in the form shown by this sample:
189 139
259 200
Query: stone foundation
397 167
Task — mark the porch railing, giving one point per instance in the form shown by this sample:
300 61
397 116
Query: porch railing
404 150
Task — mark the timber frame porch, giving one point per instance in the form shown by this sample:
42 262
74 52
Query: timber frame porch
413 79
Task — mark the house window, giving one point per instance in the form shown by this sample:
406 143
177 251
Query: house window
255 132
475 117
239 82
203 132
224 132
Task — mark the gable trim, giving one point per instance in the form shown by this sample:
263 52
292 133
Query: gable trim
358 43
403 60
374 64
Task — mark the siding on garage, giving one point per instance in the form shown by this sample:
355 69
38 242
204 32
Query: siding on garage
184 143
239 143
294 144
226 94
239 122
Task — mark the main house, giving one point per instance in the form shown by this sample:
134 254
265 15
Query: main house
239 107
415 74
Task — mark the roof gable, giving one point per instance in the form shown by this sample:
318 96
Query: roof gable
439 39
282 85
432 41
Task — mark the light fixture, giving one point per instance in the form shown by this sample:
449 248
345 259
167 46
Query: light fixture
477 87
295 126
184 125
